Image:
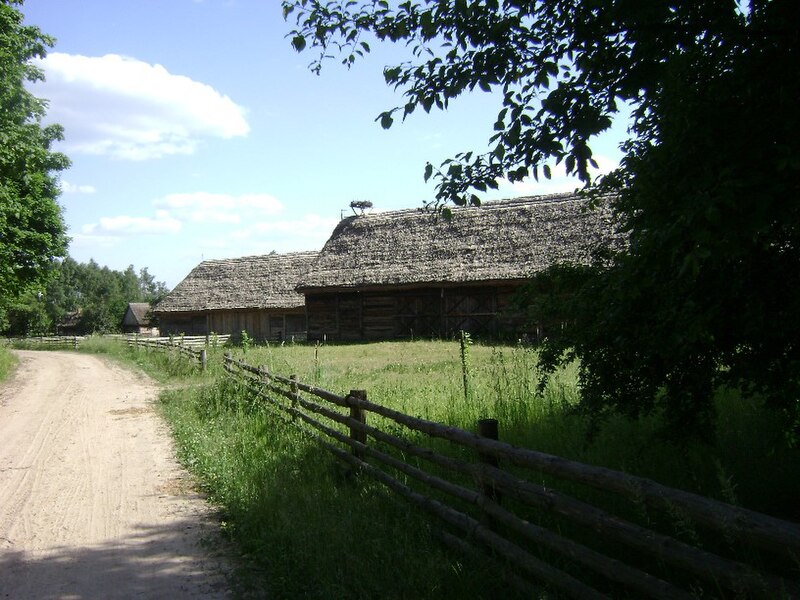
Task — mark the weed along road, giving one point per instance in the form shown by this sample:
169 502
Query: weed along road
92 501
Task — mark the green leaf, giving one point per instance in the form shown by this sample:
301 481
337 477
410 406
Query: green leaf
428 171
298 43
386 120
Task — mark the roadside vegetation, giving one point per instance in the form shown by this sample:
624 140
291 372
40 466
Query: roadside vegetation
7 363
306 527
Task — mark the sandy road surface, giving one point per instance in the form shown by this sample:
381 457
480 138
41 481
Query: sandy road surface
92 501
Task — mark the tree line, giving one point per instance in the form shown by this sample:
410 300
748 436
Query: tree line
92 298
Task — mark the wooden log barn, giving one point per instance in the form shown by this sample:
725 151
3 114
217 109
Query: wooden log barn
254 294
411 273
138 318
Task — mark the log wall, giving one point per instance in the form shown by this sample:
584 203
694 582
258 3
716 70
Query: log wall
484 311
262 324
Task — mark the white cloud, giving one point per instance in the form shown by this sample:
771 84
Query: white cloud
559 182
124 225
71 188
220 208
92 241
129 109
311 231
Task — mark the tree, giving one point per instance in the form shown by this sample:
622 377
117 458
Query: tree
707 291
99 294
32 230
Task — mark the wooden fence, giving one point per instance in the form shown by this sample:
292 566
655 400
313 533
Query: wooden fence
635 537
193 348
50 342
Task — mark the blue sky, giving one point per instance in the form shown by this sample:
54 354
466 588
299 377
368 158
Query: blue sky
196 132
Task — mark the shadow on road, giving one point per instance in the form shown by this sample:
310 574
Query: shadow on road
156 562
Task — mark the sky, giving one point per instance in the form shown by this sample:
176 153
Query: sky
196 132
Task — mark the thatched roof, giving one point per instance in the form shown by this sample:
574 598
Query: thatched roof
498 241
137 313
251 282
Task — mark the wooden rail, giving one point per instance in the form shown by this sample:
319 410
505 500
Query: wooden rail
50 342
193 348
188 341
515 503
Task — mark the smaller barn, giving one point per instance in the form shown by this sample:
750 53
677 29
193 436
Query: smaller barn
69 324
412 273
139 319
254 294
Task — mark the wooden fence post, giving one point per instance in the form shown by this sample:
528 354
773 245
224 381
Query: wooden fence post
203 359
359 414
294 389
487 428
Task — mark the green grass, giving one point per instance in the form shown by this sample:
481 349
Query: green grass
7 363
307 528
749 463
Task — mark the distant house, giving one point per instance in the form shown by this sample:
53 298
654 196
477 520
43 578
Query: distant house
254 294
410 273
138 319
69 324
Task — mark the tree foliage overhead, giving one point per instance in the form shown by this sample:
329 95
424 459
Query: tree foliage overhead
32 230
563 68
708 192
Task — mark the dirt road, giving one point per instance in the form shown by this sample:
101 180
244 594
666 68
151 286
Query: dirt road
92 501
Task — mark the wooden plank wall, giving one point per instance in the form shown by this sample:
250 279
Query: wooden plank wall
259 324
484 311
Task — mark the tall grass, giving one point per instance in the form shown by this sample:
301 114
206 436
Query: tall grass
7 363
306 526
749 462
163 366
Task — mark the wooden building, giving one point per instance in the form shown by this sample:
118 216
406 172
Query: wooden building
138 319
254 294
410 273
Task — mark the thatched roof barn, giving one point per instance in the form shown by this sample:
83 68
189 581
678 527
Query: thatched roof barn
254 293
409 272
138 318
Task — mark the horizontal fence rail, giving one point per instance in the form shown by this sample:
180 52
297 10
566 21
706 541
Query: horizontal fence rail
499 506
193 348
188 341
54 342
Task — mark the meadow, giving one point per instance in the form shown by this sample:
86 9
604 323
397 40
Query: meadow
306 527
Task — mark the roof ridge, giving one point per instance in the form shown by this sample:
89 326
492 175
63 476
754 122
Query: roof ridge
489 204
239 259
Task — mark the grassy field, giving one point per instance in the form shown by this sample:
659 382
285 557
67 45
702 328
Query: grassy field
306 528
750 462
